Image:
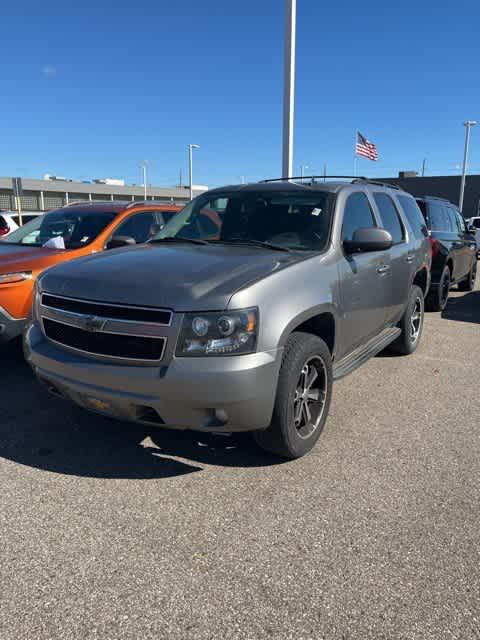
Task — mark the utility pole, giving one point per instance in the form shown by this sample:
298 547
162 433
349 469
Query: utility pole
424 164
325 172
191 147
468 124
144 173
18 192
289 87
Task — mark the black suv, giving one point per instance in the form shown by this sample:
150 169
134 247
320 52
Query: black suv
453 250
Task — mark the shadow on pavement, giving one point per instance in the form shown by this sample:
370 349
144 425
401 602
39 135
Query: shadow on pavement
44 432
464 308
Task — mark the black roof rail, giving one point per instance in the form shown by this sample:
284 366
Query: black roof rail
379 183
435 198
311 178
142 203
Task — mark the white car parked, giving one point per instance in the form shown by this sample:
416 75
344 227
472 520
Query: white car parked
475 222
7 223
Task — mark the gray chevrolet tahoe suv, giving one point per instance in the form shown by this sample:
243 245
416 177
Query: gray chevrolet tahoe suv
241 312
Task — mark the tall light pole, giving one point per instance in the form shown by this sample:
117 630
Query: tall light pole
468 124
289 87
144 172
191 147
302 170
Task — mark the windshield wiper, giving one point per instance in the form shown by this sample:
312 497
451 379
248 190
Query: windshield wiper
253 243
174 239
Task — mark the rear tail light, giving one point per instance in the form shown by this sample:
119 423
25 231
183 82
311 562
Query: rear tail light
4 231
434 245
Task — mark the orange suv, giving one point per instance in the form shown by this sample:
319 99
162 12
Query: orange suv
65 234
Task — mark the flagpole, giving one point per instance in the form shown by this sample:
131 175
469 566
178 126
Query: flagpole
355 157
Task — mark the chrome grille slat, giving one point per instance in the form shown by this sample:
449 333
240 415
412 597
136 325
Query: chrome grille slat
106 309
87 329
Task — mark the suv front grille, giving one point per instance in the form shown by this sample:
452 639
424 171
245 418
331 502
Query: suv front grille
112 331
141 314
104 343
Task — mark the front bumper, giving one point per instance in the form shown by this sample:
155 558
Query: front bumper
227 394
10 328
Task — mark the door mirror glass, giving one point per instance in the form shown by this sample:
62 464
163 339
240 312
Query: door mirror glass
368 239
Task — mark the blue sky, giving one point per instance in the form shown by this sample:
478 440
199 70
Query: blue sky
90 89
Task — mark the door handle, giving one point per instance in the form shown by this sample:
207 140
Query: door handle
384 269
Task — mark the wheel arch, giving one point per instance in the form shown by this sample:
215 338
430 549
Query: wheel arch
321 322
421 279
450 264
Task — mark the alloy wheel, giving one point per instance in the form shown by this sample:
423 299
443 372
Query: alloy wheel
473 275
445 289
416 320
310 396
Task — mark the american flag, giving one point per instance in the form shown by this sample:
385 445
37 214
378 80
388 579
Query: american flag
365 148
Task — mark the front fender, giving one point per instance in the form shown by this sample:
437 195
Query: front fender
304 316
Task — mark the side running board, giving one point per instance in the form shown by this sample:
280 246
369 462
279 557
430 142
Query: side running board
353 360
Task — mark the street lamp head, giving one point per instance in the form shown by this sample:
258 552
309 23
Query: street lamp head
470 123
194 146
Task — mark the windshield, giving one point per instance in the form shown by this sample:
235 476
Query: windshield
71 229
286 219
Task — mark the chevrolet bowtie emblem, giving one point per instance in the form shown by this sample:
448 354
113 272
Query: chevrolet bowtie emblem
93 324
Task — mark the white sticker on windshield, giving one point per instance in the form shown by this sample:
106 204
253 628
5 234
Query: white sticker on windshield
316 212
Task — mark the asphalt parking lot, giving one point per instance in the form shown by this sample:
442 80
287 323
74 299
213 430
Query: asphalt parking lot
110 530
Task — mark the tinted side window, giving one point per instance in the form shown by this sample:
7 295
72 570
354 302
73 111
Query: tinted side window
166 216
476 223
452 219
414 216
208 226
439 218
357 215
460 220
140 227
390 218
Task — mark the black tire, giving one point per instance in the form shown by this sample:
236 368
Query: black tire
411 324
438 296
469 283
287 436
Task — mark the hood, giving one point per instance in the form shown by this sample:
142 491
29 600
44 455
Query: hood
182 278
22 258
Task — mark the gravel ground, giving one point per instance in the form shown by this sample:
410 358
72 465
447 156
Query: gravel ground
110 530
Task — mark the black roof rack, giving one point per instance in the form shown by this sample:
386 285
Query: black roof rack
379 183
434 198
312 178
141 203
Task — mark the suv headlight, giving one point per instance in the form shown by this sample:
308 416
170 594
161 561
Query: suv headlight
11 278
218 334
